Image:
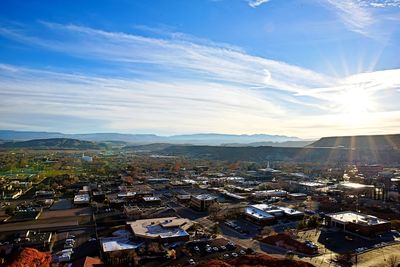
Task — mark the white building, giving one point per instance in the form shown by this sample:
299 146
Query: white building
81 199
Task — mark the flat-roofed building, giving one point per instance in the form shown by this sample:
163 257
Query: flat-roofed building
358 223
183 198
202 202
169 229
151 201
269 193
232 196
81 199
350 188
265 214
297 196
258 216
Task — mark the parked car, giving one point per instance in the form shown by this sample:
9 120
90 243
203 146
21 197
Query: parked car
66 246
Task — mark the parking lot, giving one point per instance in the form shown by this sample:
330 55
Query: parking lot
219 248
75 243
340 242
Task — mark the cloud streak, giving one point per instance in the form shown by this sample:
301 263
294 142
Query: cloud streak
217 63
256 3
222 89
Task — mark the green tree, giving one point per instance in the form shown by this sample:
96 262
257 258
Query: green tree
10 210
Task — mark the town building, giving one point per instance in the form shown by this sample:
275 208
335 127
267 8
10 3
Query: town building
202 202
169 229
266 214
358 223
82 199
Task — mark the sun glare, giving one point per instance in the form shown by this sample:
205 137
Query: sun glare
355 103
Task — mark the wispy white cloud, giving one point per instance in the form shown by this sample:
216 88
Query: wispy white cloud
219 63
356 17
223 90
360 16
256 3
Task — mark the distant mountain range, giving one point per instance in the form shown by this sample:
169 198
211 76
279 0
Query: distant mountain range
138 139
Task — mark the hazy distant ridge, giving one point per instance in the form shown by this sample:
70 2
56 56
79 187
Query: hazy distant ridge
54 143
372 142
196 139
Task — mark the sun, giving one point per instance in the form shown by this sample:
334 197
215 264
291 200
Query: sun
355 102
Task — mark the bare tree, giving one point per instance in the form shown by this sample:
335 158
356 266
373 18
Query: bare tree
393 261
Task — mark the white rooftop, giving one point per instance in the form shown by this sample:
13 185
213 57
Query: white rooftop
204 197
257 213
115 244
126 194
355 217
350 185
161 227
81 198
151 198
311 184
233 195
262 211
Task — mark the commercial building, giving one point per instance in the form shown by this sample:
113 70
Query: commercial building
151 201
269 193
202 202
266 214
183 198
258 216
169 229
358 223
82 199
232 196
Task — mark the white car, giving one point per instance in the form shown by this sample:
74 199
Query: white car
234 254
192 262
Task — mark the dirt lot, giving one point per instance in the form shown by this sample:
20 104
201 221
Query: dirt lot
379 257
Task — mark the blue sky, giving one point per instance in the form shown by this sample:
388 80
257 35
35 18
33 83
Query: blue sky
307 68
